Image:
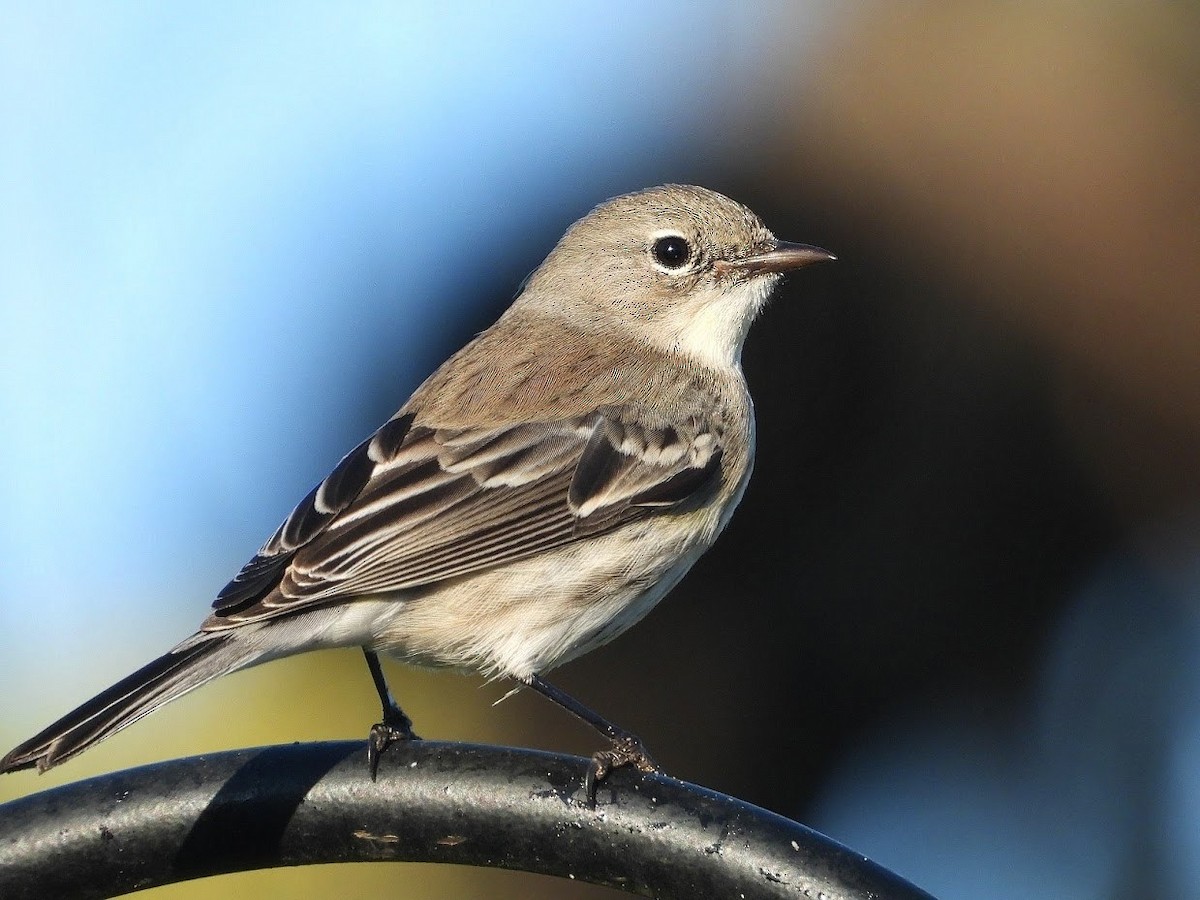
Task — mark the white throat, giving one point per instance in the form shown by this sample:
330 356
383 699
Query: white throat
713 328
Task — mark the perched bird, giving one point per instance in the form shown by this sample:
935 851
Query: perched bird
534 498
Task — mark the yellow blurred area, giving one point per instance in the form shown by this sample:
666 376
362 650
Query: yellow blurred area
379 880
318 696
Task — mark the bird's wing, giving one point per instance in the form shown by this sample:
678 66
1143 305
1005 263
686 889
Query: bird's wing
413 505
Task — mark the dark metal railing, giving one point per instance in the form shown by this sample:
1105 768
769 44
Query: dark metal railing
433 802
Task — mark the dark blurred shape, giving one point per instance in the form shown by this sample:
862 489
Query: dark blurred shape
1014 501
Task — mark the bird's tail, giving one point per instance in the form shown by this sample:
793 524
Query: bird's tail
196 661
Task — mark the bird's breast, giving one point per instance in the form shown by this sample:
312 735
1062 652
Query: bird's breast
534 614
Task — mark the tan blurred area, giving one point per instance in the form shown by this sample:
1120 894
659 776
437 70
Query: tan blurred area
1046 157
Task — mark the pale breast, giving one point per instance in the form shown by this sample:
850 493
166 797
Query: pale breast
533 615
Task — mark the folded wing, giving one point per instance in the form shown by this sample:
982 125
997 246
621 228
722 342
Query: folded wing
412 505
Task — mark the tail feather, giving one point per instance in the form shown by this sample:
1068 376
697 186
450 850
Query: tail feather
193 663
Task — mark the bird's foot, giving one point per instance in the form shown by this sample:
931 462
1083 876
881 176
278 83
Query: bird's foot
383 734
627 750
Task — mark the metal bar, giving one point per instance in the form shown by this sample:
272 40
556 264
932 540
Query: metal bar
300 804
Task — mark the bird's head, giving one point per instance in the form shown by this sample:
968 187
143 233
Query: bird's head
685 268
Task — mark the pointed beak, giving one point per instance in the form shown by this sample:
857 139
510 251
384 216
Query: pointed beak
785 257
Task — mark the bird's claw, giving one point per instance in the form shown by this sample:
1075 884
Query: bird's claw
383 735
625 751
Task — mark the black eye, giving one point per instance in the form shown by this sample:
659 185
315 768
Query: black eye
672 251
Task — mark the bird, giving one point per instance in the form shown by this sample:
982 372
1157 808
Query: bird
535 497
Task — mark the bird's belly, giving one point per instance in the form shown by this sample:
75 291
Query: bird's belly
532 615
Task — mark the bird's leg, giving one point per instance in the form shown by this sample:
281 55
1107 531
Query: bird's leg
627 748
396 726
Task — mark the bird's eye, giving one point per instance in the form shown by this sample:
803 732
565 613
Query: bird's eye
672 251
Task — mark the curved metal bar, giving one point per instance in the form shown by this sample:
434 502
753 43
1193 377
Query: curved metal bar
433 802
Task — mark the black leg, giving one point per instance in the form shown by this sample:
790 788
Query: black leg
627 749
396 726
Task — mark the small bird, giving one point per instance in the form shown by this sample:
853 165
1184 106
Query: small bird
535 497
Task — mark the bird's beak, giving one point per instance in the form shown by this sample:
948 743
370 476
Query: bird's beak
783 258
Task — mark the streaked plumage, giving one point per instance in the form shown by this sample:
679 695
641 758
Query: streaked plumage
536 496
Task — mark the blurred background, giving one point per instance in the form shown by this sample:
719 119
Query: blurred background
954 623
